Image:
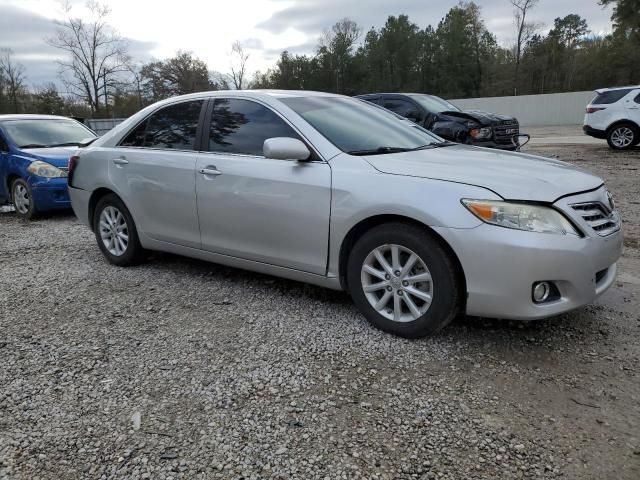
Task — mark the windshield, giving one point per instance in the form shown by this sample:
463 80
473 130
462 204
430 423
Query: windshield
435 104
356 126
46 132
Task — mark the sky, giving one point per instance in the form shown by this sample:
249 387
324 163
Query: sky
207 28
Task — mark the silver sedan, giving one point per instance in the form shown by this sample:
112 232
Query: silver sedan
336 192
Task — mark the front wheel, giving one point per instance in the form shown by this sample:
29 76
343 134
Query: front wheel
623 136
403 281
22 199
116 232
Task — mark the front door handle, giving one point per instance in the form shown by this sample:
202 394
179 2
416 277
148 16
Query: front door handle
210 170
120 161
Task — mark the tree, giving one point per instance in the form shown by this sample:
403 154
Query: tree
525 30
13 75
179 75
569 30
238 65
626 16
335 50
96 55
48 101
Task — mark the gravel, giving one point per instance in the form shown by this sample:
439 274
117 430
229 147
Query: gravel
183 369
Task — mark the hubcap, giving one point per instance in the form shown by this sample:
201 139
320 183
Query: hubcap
21 199
397 283
622 137
114 231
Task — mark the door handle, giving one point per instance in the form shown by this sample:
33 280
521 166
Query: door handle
210 170
120 161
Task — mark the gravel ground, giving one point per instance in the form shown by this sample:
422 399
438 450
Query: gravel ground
182 369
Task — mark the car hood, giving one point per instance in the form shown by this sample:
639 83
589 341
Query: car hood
513 176
56 156
485 119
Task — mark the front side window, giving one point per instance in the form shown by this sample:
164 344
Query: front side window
402 107
356 126
241 126
42 133
611 96
637 99
173 127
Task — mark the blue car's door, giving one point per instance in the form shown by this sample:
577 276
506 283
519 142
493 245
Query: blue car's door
4 169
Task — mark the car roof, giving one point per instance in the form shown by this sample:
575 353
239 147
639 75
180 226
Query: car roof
612 89
27 116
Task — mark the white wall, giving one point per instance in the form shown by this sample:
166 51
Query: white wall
534 110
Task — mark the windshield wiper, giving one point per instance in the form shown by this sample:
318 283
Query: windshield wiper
379 151
34 145
66 144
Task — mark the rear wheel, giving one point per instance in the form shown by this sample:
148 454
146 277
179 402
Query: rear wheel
116 232
403 281
623 136
22 199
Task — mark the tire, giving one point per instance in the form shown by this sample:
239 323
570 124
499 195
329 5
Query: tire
623 136
23 200
116 232
432 261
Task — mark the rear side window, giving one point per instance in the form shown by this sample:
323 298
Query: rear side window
242 126
173 127
612 96
401 107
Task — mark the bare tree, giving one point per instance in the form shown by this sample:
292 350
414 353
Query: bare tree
525 30
96 55
337 44
238 65
13 75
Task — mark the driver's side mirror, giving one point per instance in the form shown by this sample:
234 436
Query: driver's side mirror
285 148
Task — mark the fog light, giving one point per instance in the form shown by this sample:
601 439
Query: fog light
541 291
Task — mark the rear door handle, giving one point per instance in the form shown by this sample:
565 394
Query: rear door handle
210 170
120 161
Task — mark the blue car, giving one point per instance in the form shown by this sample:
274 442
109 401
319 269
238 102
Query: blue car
34 158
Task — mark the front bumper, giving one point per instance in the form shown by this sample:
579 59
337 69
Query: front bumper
501 266
493 144
49 193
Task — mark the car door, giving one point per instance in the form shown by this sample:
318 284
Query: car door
255 208
633 107
4 169
154 170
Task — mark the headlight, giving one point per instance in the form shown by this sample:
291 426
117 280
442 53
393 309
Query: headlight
480 133
44 169
520 216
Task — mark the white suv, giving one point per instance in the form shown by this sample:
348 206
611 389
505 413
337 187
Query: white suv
614 114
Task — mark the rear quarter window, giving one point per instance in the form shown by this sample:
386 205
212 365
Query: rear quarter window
612 96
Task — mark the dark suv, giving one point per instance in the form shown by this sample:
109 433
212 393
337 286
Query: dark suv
448 121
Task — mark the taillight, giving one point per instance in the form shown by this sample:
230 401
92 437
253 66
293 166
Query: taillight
594 109
73 162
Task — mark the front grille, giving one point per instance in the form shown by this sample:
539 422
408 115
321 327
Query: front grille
505 131
602 220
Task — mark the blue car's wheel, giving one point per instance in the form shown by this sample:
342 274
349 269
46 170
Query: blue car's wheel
22 199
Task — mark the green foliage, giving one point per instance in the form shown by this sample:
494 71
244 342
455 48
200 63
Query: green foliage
461 58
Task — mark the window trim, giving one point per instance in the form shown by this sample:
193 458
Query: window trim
315 154
199 128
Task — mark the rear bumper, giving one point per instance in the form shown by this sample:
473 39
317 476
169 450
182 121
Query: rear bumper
501 266
49 193
80 204
594 132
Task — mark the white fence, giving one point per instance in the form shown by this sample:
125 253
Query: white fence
102 125
534 110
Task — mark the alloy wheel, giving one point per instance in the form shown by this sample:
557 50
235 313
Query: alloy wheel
622 137
397 283
114 231
21 199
